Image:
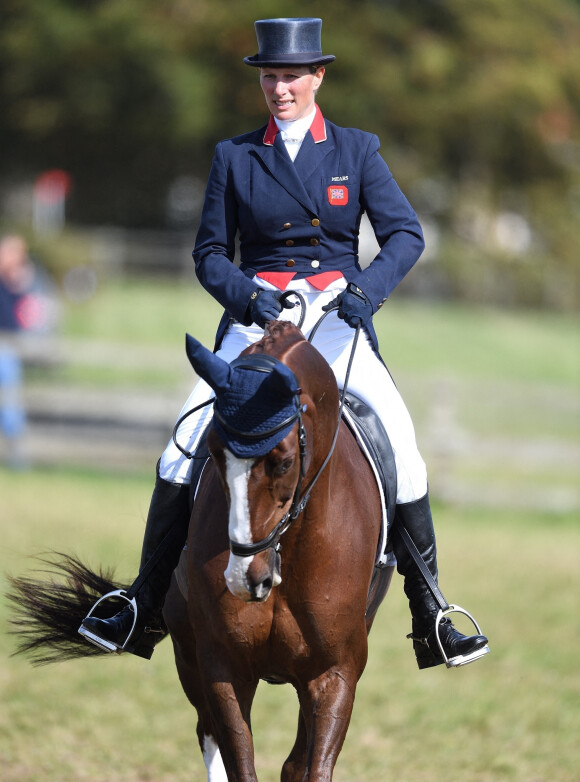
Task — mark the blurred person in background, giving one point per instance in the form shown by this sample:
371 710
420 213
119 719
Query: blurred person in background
28 306
294 192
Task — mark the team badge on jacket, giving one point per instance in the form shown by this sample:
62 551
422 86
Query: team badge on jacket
338 195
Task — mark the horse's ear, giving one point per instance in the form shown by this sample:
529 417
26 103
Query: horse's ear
213 369
284 381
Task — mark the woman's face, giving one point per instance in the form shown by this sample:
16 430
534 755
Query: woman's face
290 91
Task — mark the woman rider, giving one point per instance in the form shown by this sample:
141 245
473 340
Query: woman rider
294 192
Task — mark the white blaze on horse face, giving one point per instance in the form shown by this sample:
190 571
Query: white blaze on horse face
212 758
237 476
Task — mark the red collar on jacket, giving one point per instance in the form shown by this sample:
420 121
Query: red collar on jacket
318 129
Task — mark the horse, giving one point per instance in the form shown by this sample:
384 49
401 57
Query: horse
278 580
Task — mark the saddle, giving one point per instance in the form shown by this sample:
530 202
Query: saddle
376 447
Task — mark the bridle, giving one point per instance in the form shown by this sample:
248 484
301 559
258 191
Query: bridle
298 502
262 362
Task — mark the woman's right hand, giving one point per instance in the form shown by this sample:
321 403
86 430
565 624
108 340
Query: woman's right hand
264 306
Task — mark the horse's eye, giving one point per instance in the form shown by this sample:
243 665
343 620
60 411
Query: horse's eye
284 466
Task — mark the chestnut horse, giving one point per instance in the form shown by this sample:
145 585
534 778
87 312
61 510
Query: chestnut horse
298 615
278 580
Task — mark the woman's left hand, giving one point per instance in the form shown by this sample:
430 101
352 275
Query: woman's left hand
353 306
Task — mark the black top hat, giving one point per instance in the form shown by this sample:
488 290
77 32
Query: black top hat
288 42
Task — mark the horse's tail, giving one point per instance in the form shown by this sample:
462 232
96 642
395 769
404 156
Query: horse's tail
47 612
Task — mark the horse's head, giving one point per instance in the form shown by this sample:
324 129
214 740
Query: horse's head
271 405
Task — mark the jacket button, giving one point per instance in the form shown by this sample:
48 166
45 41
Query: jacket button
315 264
289 242
316 222
314 242
287 225
290 262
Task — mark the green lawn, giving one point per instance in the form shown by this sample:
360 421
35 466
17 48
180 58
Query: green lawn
513 716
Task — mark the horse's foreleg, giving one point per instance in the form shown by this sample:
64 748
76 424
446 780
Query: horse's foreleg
296 762
230 703
212 758
184 645
206 732
326 705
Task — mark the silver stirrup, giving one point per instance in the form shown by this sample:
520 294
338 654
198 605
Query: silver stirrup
102 643
460 659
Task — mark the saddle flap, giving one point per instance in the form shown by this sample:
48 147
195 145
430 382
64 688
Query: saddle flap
374 442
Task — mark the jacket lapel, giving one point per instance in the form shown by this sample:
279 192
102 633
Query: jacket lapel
310 156
284 171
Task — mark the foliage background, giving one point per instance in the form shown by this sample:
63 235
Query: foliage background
476 104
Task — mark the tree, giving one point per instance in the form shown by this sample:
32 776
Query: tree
476 103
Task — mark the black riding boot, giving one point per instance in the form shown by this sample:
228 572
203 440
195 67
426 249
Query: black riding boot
417 520
167 521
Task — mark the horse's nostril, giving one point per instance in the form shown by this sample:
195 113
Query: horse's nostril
261 591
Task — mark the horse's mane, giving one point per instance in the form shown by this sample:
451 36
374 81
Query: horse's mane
283 340
279 337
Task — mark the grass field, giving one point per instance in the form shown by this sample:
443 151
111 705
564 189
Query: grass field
512 717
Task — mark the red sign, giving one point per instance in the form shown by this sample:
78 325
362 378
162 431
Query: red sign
53 185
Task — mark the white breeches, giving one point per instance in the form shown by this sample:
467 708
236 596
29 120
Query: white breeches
369 380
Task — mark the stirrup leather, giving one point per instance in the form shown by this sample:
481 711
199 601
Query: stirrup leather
102 643
460 659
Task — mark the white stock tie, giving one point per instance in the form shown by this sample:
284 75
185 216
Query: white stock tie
293 142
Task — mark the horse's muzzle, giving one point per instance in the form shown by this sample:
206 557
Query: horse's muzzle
252 578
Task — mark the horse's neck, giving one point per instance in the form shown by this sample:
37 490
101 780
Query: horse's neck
279 338
285 341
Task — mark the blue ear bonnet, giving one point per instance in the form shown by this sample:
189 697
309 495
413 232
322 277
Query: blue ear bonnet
259 407
257 398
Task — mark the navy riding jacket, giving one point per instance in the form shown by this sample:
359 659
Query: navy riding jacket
303 216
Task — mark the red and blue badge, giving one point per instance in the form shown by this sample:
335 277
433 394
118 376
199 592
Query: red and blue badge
337 195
